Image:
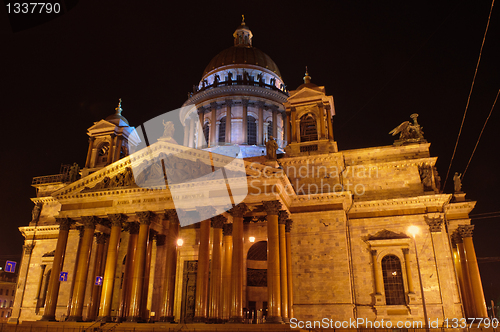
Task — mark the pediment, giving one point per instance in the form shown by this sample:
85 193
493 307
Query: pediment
306 93
387 235
102 126
182 165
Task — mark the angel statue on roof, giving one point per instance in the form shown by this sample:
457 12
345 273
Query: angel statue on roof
409 132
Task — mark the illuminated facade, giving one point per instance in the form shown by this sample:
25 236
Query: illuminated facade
321 232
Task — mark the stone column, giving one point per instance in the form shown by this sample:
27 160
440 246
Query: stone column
229 103
213 137
98 271
288 228
244 122
321 131
186 131
275 122
406 254
53 289
134 309
237 264
191 132
167 298
282 218
111 149
216 275
201 116
467 296
201 312
376 274
89 153
294 125
330 125
273 262
110 268
285 129
475 277
227 243
119 142
260 130
133 229
82 269
455 237
40 286
147 272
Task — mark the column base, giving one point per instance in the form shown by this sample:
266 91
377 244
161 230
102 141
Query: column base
236 319
199 320
286 320
214 321
75 319
274 320
166 319
51 318
133 319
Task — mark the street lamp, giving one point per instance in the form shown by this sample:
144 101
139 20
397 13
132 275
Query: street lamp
414 230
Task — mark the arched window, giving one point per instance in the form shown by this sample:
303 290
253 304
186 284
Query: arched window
222 130
206 131
102 153
308 130
269 130
393 280
251 131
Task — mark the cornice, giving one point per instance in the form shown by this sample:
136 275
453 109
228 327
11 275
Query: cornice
233 90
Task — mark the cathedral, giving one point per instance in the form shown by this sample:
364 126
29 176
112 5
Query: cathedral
253 216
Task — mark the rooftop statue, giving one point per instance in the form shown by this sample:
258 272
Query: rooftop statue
408 132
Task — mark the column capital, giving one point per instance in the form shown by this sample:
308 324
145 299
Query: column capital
117 219
288 225
132 227
146 217
465 230
218 221
171 214
214 105
227 229
206 212
434 223
89 222
456 238
64 223
28 248
373 252
406 251
228 102
101 238
245 102
272 207
283 216
239 210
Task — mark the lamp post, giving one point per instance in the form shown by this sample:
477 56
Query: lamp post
414 230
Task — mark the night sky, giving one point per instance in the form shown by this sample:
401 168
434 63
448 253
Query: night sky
381 61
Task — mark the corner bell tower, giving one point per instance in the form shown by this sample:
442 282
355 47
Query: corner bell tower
309 114
109 141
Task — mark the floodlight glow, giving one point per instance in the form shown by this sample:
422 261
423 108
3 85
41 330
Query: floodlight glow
413 230
180 242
